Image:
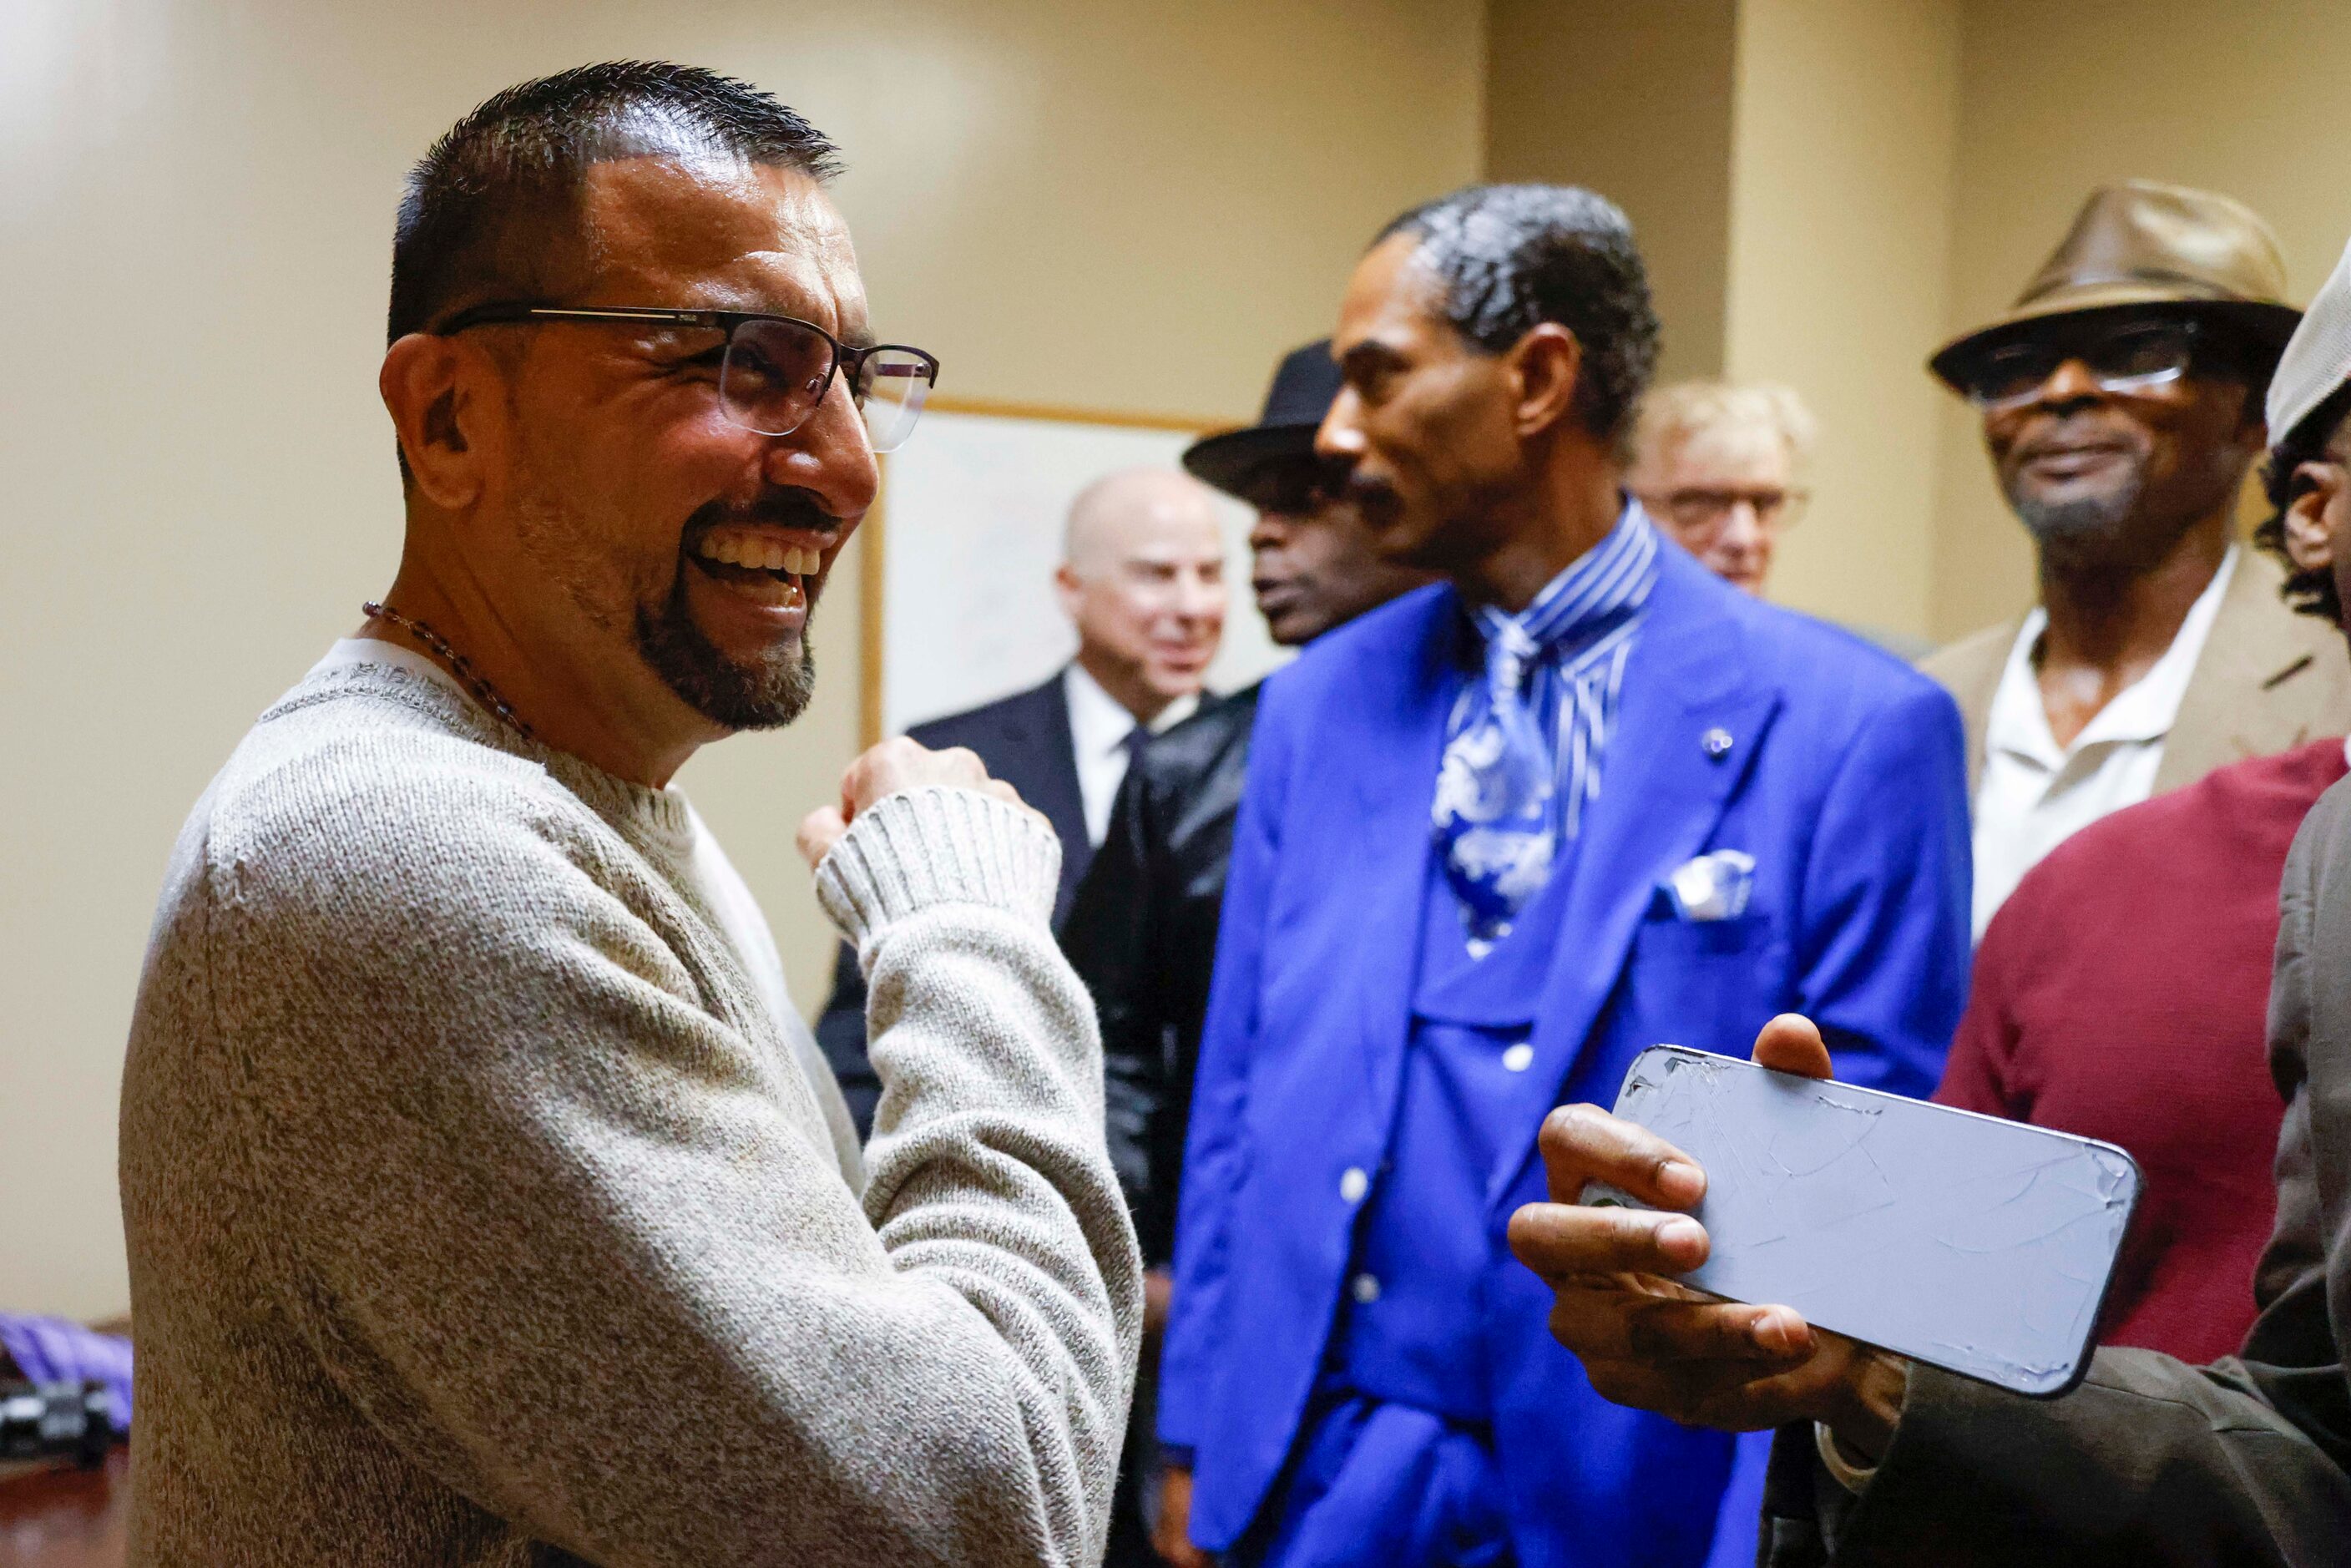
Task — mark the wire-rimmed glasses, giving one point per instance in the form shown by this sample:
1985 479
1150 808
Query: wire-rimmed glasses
1698 514
774 371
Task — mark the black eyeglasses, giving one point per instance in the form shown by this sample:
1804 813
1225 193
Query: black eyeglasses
774 371
2132 357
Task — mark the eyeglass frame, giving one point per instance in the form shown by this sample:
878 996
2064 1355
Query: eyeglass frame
1793 499
517 312
2076 349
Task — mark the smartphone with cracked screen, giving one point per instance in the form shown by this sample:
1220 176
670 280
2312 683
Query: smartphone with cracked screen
1980 1246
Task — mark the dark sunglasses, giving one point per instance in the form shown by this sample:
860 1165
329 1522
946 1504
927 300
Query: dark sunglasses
1293 486
2122 359
774 369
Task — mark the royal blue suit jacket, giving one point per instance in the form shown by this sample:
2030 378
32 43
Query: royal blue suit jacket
1844 777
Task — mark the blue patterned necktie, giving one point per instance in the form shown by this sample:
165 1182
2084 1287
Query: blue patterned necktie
1523 748
1497 792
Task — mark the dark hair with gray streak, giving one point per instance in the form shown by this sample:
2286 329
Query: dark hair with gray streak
1513 257
490 211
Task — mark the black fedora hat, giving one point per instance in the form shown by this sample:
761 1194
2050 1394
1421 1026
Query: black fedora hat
1304 386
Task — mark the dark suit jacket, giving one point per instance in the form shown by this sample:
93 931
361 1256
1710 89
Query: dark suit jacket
1142 935
2151 1461
1024 740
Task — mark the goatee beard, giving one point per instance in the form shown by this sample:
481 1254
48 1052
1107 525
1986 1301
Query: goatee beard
767 694
2085 518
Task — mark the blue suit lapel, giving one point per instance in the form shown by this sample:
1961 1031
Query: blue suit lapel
1394 749
1661 794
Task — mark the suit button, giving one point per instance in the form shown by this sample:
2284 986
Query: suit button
1520 1056
1366 1289
1716 743
1354 1183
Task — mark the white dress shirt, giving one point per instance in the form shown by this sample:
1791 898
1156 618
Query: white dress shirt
2035 794
1099 726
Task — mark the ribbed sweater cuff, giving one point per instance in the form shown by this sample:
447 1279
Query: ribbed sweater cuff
922 847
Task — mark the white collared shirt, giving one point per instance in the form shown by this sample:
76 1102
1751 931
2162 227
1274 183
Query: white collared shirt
1099 726
2034 794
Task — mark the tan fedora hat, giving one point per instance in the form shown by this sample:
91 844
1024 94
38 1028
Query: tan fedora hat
2140 243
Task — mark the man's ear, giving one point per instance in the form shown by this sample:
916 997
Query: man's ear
1068 587
1546 364
2309 538
432 386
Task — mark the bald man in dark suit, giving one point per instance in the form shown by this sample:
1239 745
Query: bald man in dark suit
1142 579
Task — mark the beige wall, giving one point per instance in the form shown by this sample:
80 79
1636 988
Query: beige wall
1134 208
1634 101
2240 95
1787 166
1841 163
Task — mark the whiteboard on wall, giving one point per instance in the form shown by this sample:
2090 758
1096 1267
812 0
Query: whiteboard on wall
971 516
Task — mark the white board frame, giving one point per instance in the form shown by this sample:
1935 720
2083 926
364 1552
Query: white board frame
1248 654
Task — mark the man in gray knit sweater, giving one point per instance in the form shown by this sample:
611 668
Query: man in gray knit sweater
487 1201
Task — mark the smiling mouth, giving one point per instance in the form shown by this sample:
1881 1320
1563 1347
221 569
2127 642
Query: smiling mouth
759 567
2073 459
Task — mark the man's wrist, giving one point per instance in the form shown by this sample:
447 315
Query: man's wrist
1870 1407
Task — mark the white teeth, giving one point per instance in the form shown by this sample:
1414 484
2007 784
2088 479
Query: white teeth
772 555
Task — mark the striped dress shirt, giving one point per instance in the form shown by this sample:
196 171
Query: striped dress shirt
1580 631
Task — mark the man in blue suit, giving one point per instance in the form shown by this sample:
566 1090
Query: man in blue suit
1498 836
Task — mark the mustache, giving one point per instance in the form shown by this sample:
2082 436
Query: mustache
2067 435
786 508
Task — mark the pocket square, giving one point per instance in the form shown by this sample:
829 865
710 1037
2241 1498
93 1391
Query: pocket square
1712 887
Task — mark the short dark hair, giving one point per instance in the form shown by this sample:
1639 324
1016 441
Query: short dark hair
2311 441
1513 257
481 208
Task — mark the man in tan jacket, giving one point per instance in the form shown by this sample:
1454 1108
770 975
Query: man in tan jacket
2121 398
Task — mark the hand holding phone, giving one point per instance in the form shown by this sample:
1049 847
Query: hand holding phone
1648 1340
1976 1244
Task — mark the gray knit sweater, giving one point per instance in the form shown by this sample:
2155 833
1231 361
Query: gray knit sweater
477 1214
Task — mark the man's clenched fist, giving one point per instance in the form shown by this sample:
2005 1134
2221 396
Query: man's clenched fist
889 769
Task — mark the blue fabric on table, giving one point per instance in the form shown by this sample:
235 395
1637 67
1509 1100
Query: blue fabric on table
52 1350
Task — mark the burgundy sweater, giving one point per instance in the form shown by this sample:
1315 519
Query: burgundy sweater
2122 992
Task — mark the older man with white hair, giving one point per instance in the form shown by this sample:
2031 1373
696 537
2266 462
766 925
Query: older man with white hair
1142 579
1720 464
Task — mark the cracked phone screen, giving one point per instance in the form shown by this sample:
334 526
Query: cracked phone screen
1976 1244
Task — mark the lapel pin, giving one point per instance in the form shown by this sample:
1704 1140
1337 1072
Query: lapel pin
1716 743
